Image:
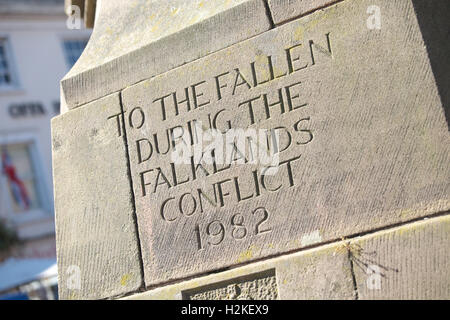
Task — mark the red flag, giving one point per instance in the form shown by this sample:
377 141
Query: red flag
17 186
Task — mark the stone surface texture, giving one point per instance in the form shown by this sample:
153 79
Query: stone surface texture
364 138
97 248
285 10
151 37
412 262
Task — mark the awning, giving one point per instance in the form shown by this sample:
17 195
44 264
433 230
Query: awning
15 272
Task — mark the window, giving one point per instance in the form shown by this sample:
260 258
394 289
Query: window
73 50
5 65
19 177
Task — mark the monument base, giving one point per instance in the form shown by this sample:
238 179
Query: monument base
149 207
405 262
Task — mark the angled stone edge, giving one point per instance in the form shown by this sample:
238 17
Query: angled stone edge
409 262
149 38
283 11
413 260
97 247
321 273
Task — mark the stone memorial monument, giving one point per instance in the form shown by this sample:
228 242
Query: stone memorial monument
256 149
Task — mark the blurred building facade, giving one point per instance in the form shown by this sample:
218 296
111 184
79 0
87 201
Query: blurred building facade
36 50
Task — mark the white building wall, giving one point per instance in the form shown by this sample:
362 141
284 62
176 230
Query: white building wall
38 62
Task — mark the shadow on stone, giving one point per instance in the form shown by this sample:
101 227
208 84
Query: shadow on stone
433 17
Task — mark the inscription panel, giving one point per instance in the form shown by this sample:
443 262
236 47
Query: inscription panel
259 286
315 130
